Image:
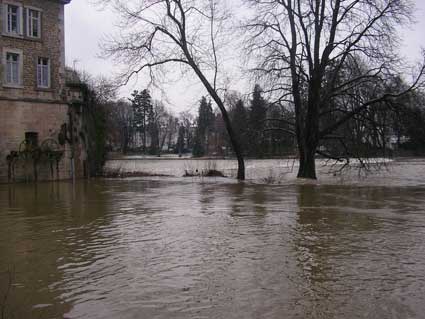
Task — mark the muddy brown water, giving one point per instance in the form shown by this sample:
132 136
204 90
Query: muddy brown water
342 247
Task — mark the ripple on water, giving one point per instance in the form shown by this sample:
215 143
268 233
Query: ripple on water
199 249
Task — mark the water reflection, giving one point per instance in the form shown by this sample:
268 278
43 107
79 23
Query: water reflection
354 249
167 248
44 233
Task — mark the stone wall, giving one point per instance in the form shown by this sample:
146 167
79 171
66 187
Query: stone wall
16 118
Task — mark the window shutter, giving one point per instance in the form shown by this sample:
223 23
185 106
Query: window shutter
25 16
5 18
15 73
39 74
8 72
45 75
21 20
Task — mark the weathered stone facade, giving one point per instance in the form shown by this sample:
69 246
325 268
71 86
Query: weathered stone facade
27 106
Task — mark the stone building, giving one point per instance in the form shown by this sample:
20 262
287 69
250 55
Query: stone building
34 109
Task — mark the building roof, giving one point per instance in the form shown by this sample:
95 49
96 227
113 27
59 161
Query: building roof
65 1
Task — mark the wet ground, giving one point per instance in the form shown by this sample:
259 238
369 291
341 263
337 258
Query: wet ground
343 247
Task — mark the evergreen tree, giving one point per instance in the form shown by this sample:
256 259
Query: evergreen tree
409 124
205 117
257 116
205 125
142 107
138 115
180 140
239 119
153 129
198 148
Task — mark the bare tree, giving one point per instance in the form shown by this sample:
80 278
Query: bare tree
172 130
166 125
155 34
310 50
187 121
119 121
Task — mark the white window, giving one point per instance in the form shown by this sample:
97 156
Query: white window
43 73
13 19
33 23
13 68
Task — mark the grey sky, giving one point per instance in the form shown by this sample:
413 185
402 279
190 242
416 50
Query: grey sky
86 25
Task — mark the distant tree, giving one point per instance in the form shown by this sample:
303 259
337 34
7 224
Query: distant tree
142 107
172 130
138 118
257 117
411 124
120 124
278 136
218 136
180 140
187 121
204 127
239 118
161 125
198 147
154 127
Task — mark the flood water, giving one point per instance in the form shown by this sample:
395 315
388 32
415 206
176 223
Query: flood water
171 247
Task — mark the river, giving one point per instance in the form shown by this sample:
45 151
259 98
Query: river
171 247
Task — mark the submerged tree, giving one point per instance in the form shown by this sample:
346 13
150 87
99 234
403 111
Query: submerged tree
184 32
310 51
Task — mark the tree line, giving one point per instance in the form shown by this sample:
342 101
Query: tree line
330 68
145 126
141 125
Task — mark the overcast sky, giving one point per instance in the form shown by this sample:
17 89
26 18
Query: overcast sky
86 25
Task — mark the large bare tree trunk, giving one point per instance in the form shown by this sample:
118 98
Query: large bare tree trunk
307 167
236 148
